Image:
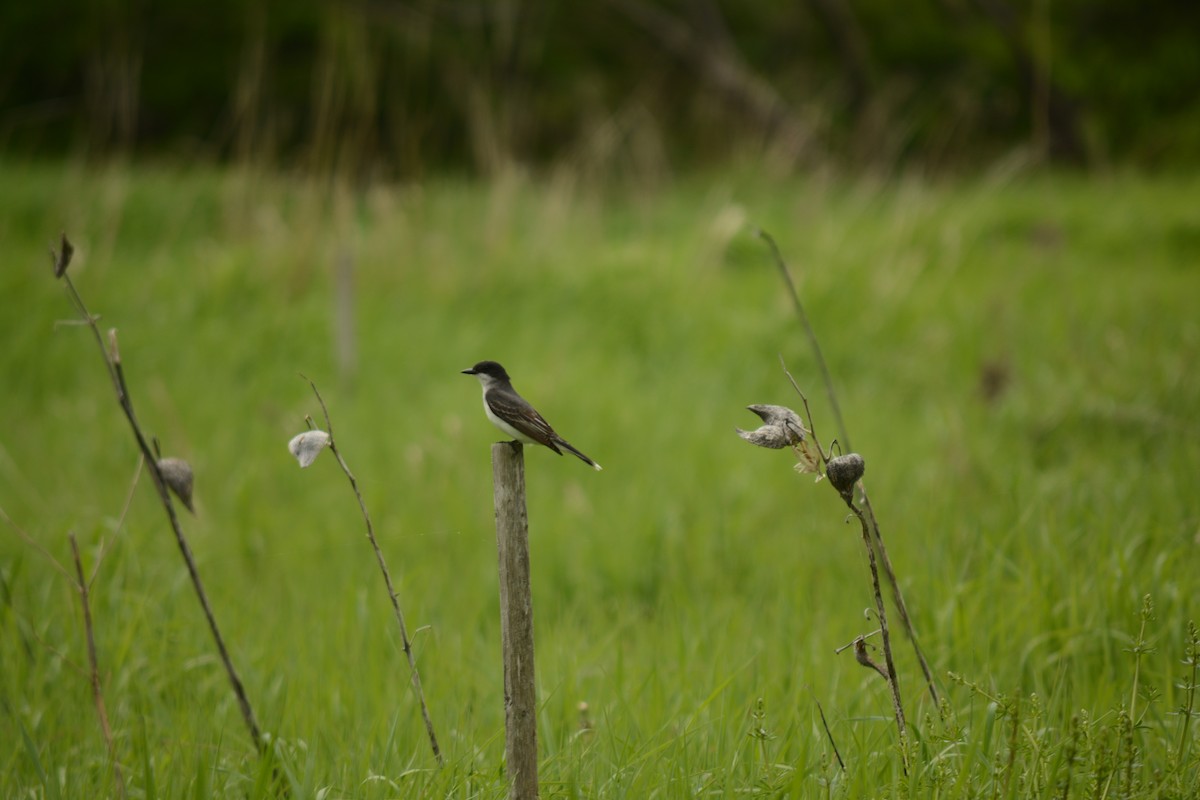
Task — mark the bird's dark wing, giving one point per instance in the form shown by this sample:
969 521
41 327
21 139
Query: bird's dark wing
524 418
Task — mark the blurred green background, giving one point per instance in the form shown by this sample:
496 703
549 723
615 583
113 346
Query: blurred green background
990 210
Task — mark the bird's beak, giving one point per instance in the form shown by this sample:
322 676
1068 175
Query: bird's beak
468 372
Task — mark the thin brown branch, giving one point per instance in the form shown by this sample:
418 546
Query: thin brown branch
854 643
898 597
826 378
824 457
893 683
97 692
112 361
828 733
387 579
185 550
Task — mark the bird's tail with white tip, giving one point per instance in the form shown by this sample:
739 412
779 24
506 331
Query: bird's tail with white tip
571 449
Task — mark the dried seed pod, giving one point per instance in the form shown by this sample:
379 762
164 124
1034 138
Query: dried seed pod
781 427
782 417
177 474
308 445
770 436
844 471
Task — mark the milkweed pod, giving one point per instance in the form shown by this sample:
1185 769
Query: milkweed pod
308 445
177 474
844 471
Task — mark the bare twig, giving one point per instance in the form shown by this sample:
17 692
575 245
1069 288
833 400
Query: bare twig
893 684
843 434
387 578
857 639
828 732
844 437
97 692
897 595
112 361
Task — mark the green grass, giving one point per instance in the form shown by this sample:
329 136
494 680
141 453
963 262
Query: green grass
694 576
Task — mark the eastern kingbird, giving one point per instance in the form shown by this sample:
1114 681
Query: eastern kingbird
512 413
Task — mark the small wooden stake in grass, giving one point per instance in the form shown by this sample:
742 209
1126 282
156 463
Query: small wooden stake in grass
516 619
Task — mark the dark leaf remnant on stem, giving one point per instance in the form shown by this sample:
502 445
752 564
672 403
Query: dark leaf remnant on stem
62 258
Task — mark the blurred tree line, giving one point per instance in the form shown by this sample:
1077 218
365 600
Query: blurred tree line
403 87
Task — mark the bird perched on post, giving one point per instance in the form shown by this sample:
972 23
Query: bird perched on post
513 414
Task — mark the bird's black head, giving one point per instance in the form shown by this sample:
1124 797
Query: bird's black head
488 368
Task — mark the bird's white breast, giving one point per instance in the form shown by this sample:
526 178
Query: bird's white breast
502 425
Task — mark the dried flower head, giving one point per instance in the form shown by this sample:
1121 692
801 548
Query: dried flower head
177 474
808 462
308 445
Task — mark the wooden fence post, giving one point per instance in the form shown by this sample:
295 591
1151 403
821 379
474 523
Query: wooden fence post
516 620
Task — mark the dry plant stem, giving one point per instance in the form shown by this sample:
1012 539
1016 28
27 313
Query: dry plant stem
812 336
844 437
897 596
112 360
893 684
97 692
387 580
880 609
829 733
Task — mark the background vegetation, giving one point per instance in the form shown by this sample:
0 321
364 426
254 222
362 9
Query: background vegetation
405 87
1014 355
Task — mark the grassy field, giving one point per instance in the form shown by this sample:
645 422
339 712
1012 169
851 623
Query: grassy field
1017 358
